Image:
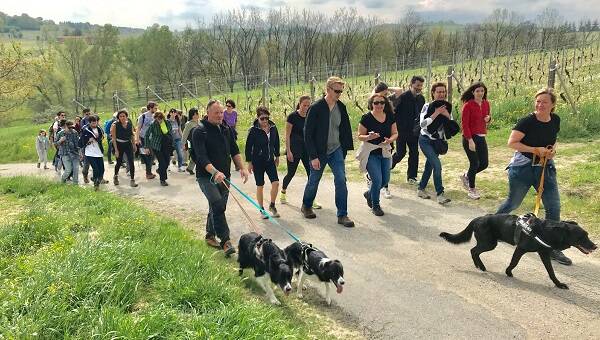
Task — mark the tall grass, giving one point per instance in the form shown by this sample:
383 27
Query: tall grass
81 264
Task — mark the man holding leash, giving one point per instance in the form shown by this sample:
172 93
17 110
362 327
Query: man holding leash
213 148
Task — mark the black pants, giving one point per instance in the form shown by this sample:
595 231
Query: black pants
125 149
110 150
163 156
407 139
146 159
293 166
478 159
217 195
97 164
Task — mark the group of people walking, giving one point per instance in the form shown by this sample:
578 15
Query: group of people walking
319 134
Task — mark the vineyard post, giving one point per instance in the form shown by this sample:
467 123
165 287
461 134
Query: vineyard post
481 68
266 91
552 73
312 87
507 72
247 94
428 70
403 62
147 98
377 77
565 88
527 65
180 94
195 87
574 61
115 102
449 77
209 90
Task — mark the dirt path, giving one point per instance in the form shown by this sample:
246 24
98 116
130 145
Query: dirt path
402 280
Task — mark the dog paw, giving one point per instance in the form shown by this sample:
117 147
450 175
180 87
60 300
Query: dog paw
275 302
509 273
562 285
300 296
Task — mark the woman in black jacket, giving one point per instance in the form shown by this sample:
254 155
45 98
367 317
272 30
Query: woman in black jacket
262 155
91 142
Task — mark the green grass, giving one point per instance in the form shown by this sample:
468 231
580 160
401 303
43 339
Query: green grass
81 264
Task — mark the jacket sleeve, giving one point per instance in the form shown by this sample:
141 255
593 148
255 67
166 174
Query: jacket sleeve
249 145
277 145
466 121
199 147
310 126
186 132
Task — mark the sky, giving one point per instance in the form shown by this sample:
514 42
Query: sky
177 14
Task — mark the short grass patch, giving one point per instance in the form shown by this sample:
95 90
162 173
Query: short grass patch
81 264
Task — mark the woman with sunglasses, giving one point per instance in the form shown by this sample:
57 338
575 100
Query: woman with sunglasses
262 155
376 130
230 116
160 140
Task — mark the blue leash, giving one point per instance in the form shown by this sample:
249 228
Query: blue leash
257 206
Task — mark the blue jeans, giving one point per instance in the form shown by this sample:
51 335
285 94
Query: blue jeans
432 165
521 178
97 164
216 195
71 164
179 151
378 168
337 165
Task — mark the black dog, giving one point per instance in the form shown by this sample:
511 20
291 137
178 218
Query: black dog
545 236
304 258
265 257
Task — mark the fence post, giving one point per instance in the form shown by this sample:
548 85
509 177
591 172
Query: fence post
565 89
312 87
481 68
209 90
180 94
552 73
115 102
527 66
265 92
377 77
449 77
147 96
507 72
428 70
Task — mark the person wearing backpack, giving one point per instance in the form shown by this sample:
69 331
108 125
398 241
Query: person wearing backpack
159 138
121 132
107 126
67 143
53 131
193 117
407 112
143 123
91 143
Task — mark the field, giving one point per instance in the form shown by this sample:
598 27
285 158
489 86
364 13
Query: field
101 270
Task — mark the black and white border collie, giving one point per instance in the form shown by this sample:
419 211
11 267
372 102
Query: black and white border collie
304 258
267 259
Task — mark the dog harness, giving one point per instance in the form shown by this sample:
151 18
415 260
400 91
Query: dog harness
307 248
523 226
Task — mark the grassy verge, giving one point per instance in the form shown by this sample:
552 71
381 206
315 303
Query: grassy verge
81 264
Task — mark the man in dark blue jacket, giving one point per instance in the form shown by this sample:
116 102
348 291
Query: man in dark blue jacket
328 137
407 110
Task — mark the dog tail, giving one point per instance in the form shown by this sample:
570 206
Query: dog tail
462 237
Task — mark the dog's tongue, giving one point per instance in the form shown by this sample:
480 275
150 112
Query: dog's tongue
339 289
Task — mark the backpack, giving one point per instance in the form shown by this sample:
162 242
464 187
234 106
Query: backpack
189 143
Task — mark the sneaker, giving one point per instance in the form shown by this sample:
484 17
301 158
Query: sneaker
116 180
132 183
150 176
228 249
212 241
164 184
307 212
316 205
111 162
273 210
473 194
441 199
412 181
465 181
345 221
282 198
423 194
45 167
191 172
368 198
181 169
386 193
377 210
368 181
559 257
263 215
103 181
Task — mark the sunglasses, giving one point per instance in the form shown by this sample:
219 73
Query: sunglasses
264 118
228 105
336 91
379 103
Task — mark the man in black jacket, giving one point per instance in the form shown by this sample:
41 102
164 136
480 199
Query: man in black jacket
407 110
328 137
213 148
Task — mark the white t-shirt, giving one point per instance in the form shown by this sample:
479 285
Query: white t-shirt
93 149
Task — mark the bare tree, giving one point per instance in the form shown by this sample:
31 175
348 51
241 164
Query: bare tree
409 34
549 22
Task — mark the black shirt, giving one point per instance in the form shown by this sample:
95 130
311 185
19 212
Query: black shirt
297 134
538 133
384 129
123 133
213 144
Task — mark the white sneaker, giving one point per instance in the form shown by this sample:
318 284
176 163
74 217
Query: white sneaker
181 169
423 194
441 199
473 194
465 181
386 193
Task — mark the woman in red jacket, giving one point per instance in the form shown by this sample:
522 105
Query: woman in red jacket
475 118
